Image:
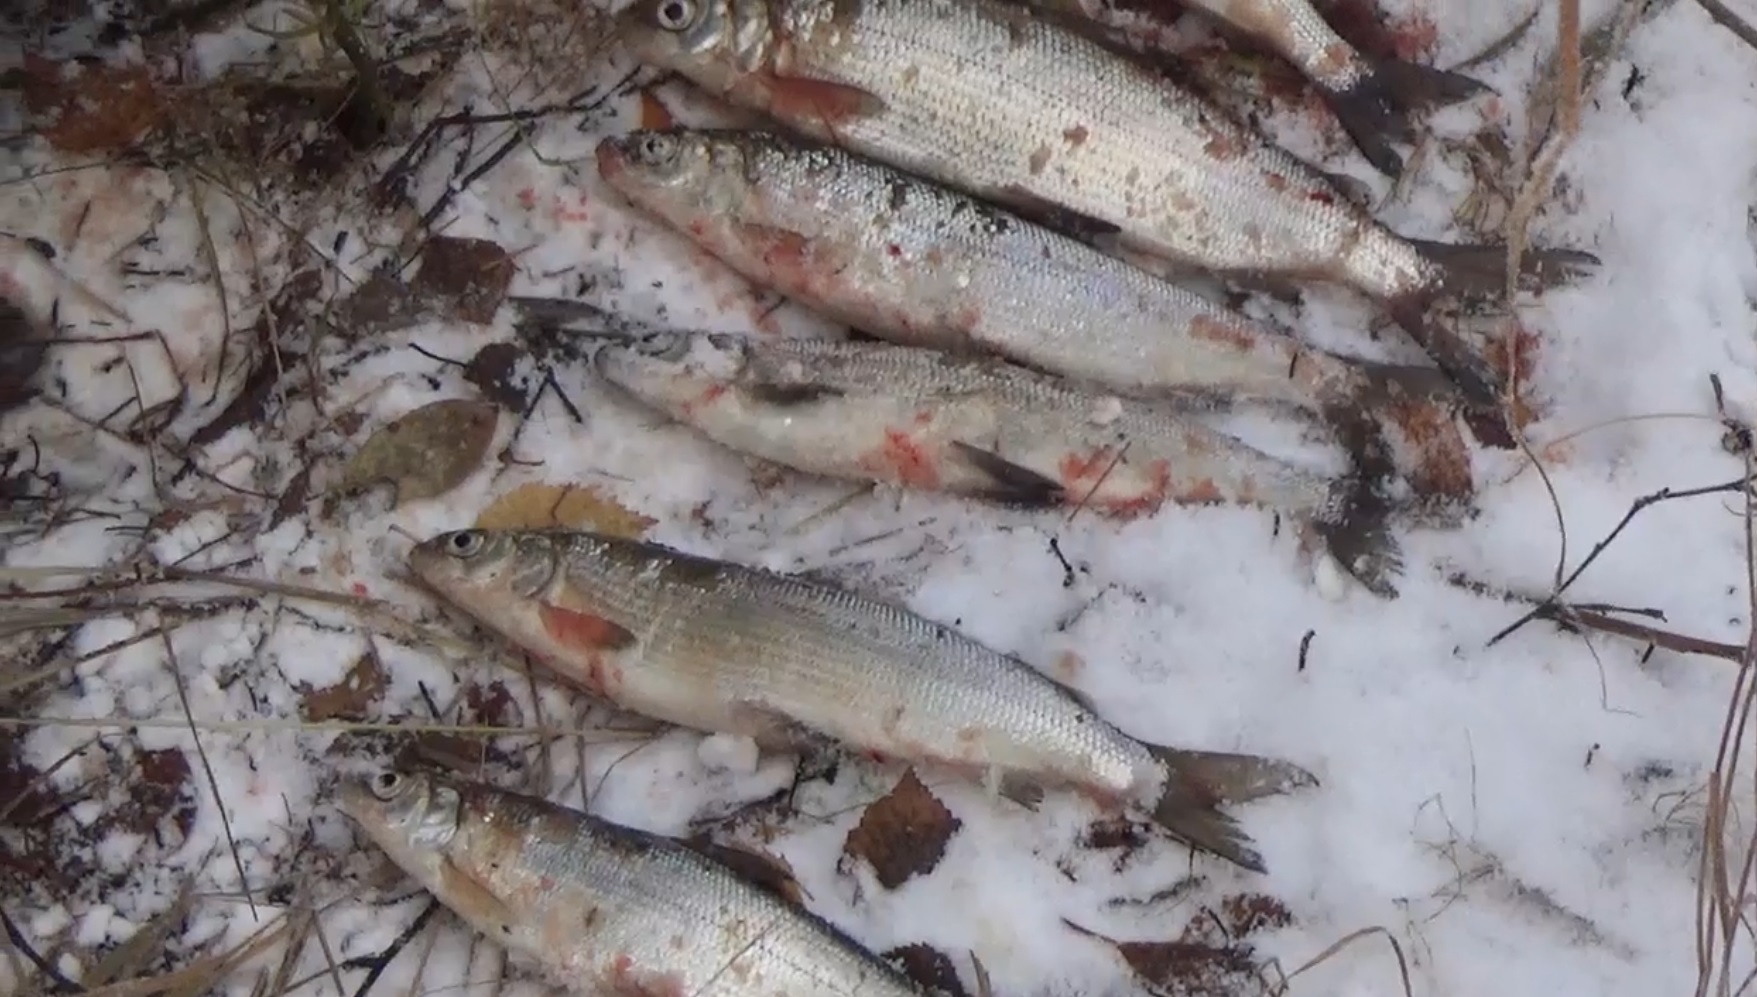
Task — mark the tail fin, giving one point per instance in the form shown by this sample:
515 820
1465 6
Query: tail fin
1355 523
1412 409
1479 270
1197 782
1374 112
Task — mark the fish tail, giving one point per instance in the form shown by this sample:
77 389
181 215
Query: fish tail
1477 270
1355 521
1408 410
1479 383
1197 782
1375 111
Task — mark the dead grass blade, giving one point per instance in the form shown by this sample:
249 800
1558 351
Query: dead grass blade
1280 987
1721 899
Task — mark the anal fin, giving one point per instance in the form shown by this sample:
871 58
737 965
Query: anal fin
1008 482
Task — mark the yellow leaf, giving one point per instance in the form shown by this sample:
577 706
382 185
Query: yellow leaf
539 506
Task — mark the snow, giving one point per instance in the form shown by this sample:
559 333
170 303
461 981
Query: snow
1524 818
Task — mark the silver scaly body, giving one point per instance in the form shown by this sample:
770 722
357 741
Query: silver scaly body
605 909
717 646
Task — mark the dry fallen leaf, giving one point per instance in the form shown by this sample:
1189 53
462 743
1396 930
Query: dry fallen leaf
472 275
349 699
929 967
93 108
903 835
1211 958
428 452
539 506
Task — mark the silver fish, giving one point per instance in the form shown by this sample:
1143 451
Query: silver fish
919 264
718 646
986 97
602 908
1371 98
980 427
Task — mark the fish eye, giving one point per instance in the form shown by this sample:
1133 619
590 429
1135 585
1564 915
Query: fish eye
385 784
656 148
675 15
465 543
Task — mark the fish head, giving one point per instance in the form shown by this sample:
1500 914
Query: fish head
676 373
502 578
712 42
671 173
414 817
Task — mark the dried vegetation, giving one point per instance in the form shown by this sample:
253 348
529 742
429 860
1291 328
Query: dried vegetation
334 122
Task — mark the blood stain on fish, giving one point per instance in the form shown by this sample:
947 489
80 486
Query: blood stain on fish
903 459
1222 333
711 394
1077 135
624 980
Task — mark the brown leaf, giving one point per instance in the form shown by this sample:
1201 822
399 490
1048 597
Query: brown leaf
929 967
349 698
903 835
536 505
162 793
1188 969
428 452
471 274
769 872
90 108
1248 913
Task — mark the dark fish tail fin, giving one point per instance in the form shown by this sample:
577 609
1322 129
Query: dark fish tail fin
1197 782
1479 270
1375 111
1355 521
1479 383
1412 410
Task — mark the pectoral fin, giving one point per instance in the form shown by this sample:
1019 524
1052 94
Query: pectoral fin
1008 482
796 98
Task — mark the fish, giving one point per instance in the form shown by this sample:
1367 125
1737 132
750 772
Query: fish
989 98
982 428
602 907
795 665
919 264
1371 98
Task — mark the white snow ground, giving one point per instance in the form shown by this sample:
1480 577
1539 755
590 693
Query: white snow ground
1525 819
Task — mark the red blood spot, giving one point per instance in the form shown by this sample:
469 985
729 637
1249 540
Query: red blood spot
1320 196
546 883
708 397
567 214
528 197
894 250
1154 496
1221 333
1080 471
358 588
624 979
905 460
923 417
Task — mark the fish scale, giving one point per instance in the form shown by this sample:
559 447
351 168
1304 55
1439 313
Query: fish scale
606 908
723 647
